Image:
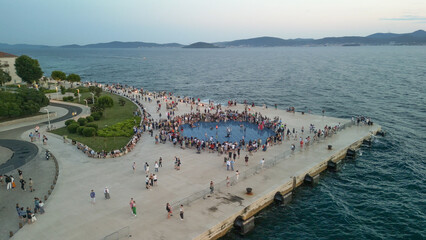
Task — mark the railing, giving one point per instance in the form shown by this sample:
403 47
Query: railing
119 234
258 168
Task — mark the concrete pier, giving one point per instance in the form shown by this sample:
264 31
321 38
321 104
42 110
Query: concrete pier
70 215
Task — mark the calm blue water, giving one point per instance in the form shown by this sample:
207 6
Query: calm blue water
381 195
249 131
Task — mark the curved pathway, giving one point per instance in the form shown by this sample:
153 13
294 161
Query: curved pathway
24 151
27 157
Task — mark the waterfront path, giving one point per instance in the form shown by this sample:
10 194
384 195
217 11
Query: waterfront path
70 215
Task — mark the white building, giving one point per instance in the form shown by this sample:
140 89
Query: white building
7 64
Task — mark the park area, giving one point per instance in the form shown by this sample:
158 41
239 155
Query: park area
114 126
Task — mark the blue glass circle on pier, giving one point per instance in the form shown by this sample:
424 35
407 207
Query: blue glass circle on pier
237 131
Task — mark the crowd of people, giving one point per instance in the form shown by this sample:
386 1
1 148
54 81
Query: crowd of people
25 214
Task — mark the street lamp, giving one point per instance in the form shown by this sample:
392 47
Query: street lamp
48 116
93 98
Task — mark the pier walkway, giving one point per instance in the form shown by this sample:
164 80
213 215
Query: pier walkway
70 215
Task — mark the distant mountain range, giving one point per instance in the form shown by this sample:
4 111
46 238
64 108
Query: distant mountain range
201 45
414 38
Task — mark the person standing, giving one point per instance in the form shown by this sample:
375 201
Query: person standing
20 174
8 182
211 187
22 184
169 210
262 162
29 215
106 193
246 160
181 212
92 197
134 167
228 181
160 162
232 164
156 166
41 207
237 174
134 208
12 179
30 184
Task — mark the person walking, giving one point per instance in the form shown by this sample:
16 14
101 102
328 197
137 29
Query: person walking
92 197
8 181
246 159
262 162
181 212
134 167
160 162
134 208
211 187
237 175
106 193
228 181
169 210
131 205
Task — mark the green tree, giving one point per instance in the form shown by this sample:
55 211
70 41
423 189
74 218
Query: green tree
28 69
74 77
58 75
4 77
105 102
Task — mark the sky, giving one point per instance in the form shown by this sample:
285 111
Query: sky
61 22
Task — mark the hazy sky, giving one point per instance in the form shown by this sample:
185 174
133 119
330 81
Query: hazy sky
59 22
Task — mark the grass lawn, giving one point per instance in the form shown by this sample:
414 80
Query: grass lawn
110 116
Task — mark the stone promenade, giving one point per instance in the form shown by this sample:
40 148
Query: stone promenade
70 215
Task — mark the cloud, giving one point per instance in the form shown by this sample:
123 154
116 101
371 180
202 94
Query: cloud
406 18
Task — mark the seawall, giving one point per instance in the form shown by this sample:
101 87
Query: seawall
285 188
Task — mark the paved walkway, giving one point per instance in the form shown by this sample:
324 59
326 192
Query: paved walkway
30 158
69 214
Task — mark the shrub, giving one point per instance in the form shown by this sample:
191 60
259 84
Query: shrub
105 102
120 129
96 115
90 119
89 132
80 130
82 121
121 102
96 108
68 98
69 121
72 128
93 125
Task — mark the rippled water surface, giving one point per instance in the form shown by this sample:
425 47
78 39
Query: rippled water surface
380 195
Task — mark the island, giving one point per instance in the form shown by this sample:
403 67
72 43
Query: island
201 45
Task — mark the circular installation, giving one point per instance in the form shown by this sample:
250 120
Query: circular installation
229 131
23 152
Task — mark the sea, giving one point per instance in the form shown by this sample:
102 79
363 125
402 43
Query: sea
379 195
